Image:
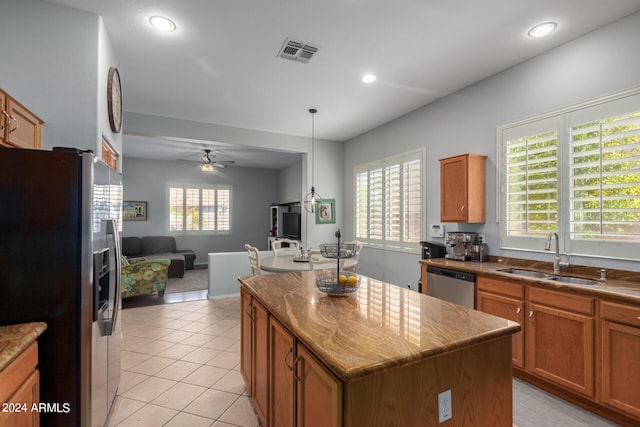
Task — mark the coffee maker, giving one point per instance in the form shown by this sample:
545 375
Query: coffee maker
459 244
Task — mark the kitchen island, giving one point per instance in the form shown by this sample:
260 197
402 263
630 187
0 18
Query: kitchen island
384 355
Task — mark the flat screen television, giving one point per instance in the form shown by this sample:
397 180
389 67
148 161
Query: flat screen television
291 225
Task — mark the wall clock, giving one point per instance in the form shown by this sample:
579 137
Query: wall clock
114 100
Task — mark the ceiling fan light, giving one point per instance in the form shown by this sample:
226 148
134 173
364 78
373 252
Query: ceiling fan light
206 168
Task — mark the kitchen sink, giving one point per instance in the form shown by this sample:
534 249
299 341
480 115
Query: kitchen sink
527 273
539 275
574 280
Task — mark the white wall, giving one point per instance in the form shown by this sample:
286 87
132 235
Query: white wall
253 190
600 63
55 61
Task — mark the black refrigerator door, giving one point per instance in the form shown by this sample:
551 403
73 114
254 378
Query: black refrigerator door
44 234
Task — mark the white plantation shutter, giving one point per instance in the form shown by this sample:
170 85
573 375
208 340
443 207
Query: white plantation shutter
605 179
199 209
576 172
388 207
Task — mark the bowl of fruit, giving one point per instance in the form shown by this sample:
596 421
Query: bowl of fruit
337 285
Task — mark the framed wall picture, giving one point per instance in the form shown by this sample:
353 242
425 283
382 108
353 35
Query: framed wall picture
326 212
134 211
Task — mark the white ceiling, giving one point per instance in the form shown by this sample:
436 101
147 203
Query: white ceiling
221 65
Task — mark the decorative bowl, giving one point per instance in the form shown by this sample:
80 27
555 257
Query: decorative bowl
333 250
337 286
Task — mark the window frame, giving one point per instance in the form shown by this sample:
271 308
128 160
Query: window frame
400 245
590 111
200 188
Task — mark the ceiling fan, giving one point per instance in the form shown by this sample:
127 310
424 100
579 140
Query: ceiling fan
207 162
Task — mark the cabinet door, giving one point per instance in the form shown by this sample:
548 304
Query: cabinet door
27 394
507 308
282 353
260 360
621 357
453 189
560 348
319 393
25 129
246 326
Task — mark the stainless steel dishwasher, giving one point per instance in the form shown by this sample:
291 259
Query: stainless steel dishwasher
451 285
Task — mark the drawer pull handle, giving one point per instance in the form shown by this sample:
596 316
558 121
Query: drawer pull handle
295 368
531 317
4 126
518 314
14 119
285 359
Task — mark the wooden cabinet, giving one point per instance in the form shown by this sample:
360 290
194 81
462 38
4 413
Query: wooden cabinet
463 188
19 127
504 299
319 393
253 360
282 388
20 390
560 339
620 357
302 391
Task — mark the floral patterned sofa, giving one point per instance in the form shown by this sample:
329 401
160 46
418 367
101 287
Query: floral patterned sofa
142 276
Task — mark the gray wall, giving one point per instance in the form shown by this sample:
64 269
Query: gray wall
602 62
253 190
55 62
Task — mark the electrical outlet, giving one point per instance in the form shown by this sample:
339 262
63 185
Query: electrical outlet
444 406
482 238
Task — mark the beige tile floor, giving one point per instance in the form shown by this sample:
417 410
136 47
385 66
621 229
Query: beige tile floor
180 367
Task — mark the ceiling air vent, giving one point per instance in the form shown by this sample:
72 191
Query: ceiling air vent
297 51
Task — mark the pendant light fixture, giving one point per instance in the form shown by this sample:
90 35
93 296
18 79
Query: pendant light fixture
312 199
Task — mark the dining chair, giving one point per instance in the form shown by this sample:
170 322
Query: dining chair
285 247
351 264
254 259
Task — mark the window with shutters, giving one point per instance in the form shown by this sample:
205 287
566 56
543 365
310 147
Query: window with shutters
389 203
200 209
576 172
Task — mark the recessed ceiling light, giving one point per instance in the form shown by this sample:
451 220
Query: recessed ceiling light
162 23
369 78
542 30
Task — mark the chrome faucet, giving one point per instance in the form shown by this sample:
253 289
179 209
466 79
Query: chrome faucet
557 262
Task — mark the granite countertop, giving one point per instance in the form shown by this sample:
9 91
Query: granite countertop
620 285
379 326
14 339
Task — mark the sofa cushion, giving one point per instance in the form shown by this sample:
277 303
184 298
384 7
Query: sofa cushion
131 246
158 245
177 266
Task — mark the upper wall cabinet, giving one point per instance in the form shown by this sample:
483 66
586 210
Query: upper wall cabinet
19 127
463 188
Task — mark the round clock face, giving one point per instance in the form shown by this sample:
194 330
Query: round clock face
114 100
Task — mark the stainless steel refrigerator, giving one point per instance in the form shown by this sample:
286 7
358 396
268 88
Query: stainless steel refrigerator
60 216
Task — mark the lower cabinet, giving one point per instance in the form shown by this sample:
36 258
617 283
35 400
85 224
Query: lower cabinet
560 339
504 299
302 391
20 390
620 357
253 359
319 394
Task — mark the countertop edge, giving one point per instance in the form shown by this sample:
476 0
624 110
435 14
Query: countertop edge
14 339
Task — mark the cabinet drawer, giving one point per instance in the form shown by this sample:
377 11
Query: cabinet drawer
627 314
500 286
563 300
